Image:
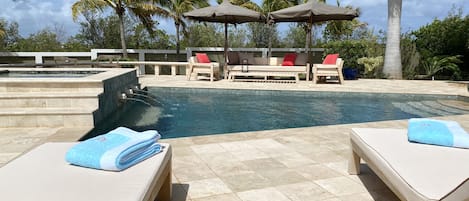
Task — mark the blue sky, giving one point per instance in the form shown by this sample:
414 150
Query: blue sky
33 15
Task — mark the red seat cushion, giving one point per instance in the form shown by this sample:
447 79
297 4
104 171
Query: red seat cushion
202 58
289 59
330 59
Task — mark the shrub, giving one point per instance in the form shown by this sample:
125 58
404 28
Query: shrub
373 66
434 65
410 57
352 50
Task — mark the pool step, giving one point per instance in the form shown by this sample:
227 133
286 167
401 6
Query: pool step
430 108
461 105
411 110
47 109
46 117
37 85
49 100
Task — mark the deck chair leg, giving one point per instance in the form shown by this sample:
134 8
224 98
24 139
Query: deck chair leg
354 163
165 192
341 78
189 74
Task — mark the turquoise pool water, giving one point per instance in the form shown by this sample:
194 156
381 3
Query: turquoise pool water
192 112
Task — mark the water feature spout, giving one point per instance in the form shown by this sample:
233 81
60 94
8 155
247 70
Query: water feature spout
130 95
148 97
123 96
140 101
135 92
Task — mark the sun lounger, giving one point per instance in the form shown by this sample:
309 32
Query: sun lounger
43 175
412 171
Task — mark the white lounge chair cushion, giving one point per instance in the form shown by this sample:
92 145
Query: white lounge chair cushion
431 171
43 174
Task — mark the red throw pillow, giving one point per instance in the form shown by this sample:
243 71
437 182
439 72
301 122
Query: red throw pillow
289 59
330 59
202 58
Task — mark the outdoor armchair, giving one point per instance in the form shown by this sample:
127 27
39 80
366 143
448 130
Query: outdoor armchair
196 68
329 70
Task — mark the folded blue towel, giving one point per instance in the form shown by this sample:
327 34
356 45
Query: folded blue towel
437 132
115 150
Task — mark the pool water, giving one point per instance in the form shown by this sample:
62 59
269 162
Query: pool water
192 112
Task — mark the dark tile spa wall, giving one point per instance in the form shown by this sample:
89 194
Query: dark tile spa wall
109 99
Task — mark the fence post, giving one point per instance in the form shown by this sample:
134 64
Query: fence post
38 59
188 53
94 54
265 52
141 57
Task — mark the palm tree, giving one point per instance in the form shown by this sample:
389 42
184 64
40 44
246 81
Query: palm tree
142 9
392 57
274 5
174 10
243 3
433 65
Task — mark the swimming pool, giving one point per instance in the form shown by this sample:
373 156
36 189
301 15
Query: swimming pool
192 112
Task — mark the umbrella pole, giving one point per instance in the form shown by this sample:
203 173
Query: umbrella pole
308 42
225 54
269 54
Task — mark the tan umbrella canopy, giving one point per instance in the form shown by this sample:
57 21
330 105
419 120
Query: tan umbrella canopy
226 13
312 12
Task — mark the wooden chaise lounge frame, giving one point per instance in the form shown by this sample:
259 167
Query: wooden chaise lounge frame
326 70
43 174
275 69
413 171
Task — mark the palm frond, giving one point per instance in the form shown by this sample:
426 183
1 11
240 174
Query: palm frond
435 64
144 12
82 6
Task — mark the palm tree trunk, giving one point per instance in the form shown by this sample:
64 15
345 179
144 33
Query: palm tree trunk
178 45
392 57
121 29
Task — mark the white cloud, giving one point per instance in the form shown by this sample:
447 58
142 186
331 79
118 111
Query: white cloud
33 16
360 3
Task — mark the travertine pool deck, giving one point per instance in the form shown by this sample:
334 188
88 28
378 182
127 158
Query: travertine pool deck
295 164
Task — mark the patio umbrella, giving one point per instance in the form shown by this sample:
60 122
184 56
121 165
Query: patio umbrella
312 12
226 13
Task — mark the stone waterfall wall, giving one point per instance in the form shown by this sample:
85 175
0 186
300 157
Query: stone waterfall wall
109 100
